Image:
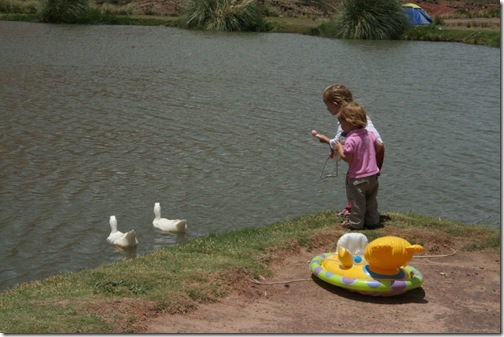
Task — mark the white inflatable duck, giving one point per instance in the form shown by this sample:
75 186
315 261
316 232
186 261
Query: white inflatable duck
351 245
176 225
120 239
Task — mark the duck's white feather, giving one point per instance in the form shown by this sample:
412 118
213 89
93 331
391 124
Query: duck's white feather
118 238
176 225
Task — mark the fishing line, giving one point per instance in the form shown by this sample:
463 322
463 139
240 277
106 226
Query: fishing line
331 156
330 175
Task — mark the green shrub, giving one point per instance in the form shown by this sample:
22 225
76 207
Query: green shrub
225 15
438 21
370 20
63 11
24 7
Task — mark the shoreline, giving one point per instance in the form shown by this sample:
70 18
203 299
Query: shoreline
479 31
126 296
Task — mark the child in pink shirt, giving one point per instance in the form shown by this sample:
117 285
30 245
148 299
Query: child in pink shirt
334 97
359 152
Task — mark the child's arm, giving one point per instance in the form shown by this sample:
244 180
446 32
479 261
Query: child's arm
380 153
379 147
339 149
322 138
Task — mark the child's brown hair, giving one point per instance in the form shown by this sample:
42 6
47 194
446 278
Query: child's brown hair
353 114
337 93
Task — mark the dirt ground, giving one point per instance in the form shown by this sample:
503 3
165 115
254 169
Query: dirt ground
461 294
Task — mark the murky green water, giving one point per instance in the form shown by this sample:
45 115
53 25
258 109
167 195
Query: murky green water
107 120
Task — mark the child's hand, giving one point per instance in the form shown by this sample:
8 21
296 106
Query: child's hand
338 146
321 138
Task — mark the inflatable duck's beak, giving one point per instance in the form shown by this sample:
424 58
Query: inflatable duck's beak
345 257
414 249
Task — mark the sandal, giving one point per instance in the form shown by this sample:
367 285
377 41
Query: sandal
345 212
347 225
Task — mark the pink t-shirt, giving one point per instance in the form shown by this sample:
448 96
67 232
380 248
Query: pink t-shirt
360 143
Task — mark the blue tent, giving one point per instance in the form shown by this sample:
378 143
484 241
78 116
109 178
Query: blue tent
416 15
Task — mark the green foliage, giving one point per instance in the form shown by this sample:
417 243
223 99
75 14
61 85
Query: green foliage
370 20
294 25
63 11
16 6
481 236
113 2
485 37
120 287
52 318
225 15
492 242
438 21
489 38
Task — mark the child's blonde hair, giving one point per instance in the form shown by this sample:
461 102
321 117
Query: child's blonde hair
337 93
353 114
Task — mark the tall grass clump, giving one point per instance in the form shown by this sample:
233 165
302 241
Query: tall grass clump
13 6
225 15
63 11
369 20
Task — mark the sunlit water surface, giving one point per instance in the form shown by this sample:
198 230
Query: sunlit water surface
107 120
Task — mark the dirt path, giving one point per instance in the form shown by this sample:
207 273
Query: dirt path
461 294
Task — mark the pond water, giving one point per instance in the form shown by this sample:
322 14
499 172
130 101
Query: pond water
107 120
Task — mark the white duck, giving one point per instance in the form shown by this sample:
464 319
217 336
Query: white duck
120 239
177 225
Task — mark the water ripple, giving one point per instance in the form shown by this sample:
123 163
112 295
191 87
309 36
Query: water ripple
100 121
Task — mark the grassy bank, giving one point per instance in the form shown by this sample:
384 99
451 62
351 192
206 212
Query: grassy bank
115 297
480 35
309 26
484 37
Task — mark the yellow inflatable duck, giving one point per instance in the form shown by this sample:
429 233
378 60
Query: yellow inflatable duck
387 254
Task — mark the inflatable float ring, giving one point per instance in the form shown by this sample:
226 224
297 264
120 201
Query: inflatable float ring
360 279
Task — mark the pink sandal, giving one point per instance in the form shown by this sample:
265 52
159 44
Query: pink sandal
345 212
347 225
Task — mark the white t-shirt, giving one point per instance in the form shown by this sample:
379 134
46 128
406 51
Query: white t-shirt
369 127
